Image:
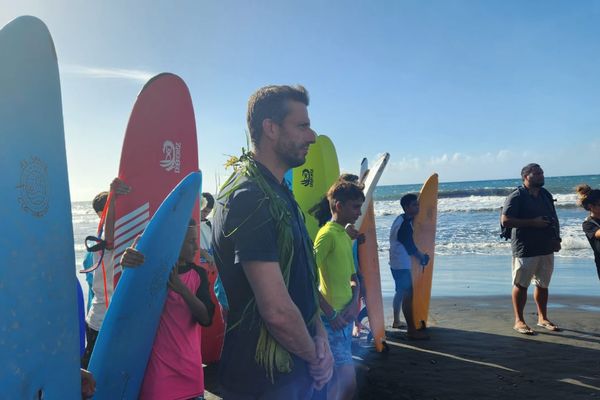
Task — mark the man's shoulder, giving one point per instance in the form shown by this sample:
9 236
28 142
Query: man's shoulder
242 190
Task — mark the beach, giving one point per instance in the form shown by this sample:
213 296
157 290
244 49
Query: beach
473 353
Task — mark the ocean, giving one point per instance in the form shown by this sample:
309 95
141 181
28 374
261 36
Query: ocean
470 257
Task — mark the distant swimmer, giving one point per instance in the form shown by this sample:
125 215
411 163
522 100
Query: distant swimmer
535 236
589 199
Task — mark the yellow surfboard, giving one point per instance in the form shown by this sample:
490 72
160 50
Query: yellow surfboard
311 180
424 226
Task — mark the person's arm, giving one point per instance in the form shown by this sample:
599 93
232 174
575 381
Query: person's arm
513 222
321 370
405 236
351 310
197 307
336 320
511 209
117 188
279 313
591 230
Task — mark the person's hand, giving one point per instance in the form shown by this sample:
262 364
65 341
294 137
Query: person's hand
175 282
351 311
207 256
540 222
352 231
131 257
339 322
88 384
321 370
119 188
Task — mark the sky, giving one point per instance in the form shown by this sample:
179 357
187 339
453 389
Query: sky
472 90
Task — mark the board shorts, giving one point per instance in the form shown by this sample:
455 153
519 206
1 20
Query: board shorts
402 280
340 342
537 270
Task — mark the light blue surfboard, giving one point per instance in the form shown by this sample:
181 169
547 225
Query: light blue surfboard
39 336
125 341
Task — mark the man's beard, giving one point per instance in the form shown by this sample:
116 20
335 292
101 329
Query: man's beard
286 153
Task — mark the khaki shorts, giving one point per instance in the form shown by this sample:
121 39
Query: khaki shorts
536 270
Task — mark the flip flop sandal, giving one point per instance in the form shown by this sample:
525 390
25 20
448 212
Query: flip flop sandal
524 330
550 326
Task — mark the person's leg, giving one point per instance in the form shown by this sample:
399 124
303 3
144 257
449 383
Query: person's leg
91 335
521 274
346 381
519 299
407 308
540 295
397 302
542 277
343 382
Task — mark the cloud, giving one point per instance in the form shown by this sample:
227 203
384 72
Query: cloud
108 73
452 166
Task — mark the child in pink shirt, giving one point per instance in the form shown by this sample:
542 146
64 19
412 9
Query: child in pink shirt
174 371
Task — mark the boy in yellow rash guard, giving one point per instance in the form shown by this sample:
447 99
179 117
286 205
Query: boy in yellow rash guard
338 284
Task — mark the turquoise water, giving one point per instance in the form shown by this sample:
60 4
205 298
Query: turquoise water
471 259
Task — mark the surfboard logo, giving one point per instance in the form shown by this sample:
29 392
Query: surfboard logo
172 154
307 177
34 187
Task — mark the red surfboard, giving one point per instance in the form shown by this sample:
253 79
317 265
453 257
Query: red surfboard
160 148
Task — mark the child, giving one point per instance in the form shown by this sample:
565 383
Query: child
402 249
174 370
338 283
104 273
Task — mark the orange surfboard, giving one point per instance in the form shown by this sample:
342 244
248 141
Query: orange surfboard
424 227
368 257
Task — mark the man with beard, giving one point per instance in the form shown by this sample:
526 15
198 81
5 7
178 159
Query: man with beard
275 345
530 214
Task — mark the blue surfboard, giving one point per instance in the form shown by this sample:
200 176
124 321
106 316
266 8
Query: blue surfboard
125 341
39 336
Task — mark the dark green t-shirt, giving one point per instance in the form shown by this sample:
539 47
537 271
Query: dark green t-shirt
531 242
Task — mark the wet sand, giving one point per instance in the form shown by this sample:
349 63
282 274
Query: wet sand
474 353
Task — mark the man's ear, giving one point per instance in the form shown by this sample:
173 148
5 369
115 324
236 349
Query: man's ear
270 128
337 206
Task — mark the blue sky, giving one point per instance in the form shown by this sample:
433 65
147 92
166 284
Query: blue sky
469 89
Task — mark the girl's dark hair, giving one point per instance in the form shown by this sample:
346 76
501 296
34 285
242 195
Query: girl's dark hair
99 201
210 200
587 196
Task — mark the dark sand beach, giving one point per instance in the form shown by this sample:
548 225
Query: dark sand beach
474 353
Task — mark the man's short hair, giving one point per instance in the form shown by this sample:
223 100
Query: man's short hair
407 199
271 102
526 170
99 201
343 191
